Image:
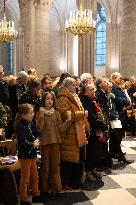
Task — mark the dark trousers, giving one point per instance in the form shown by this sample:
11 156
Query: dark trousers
115 141
106 162
71 174
94 153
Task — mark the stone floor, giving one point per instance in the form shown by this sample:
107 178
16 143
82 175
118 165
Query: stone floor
117 186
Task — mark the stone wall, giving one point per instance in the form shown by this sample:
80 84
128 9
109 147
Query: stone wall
128 38
44 44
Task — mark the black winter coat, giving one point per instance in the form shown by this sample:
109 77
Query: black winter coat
26 134
95 124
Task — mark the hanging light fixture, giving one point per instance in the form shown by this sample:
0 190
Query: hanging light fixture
80 22
7 31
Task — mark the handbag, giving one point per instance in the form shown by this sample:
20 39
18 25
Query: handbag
115 124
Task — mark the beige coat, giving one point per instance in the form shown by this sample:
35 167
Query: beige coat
70 150
50 126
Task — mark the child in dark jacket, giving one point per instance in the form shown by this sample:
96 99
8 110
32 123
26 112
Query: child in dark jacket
27 144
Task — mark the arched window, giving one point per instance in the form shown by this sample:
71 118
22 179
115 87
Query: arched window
101 36
10 58
6 58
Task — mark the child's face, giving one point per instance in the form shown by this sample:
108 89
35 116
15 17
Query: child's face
49 101
29 116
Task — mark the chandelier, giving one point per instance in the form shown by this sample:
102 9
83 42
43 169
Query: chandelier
7 31
80 22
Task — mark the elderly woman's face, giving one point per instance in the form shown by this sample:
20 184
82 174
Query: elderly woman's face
119 79
90 91
72 87
88 80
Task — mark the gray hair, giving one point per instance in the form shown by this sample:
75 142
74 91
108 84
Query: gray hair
22 74
84 76
68 81
98 82
132 79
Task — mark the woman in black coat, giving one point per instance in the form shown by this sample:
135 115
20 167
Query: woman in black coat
94 154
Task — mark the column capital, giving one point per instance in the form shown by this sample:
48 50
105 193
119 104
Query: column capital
44 3
22 3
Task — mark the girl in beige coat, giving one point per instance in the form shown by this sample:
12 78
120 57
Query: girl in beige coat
49 124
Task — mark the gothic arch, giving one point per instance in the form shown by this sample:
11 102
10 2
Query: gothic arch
12 10
107 7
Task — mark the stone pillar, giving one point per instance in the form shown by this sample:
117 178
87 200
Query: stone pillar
128 38
42 36
30 35
113 47
19 51
86 45
69 52
35 25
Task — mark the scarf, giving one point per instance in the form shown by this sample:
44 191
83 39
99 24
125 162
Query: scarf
80 125
97 107
99 133
49 112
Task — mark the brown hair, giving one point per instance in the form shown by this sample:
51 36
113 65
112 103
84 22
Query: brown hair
44 98
46 80
23 109
33 84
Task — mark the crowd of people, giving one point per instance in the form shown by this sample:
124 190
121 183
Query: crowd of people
77 123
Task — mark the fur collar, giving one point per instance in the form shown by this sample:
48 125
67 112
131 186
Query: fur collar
65 92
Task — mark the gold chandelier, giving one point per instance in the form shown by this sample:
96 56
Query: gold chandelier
7 31
80 22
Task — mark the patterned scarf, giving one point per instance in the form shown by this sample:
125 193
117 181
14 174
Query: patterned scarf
49 112
99 133
97 107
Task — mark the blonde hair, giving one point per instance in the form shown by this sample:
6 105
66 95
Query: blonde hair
114 75
1 69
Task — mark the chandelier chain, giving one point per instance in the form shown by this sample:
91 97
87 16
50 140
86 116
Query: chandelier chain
7 31
4 6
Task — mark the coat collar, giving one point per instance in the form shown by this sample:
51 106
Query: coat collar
66 93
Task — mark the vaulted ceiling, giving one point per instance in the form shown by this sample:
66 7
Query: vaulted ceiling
12 8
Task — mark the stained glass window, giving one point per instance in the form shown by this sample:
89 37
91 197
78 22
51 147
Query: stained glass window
101 36
10 56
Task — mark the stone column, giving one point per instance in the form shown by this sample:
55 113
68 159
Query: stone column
30 35
19 51
35 25
69 52
113 47
42 36
20 46
128 38
86 45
